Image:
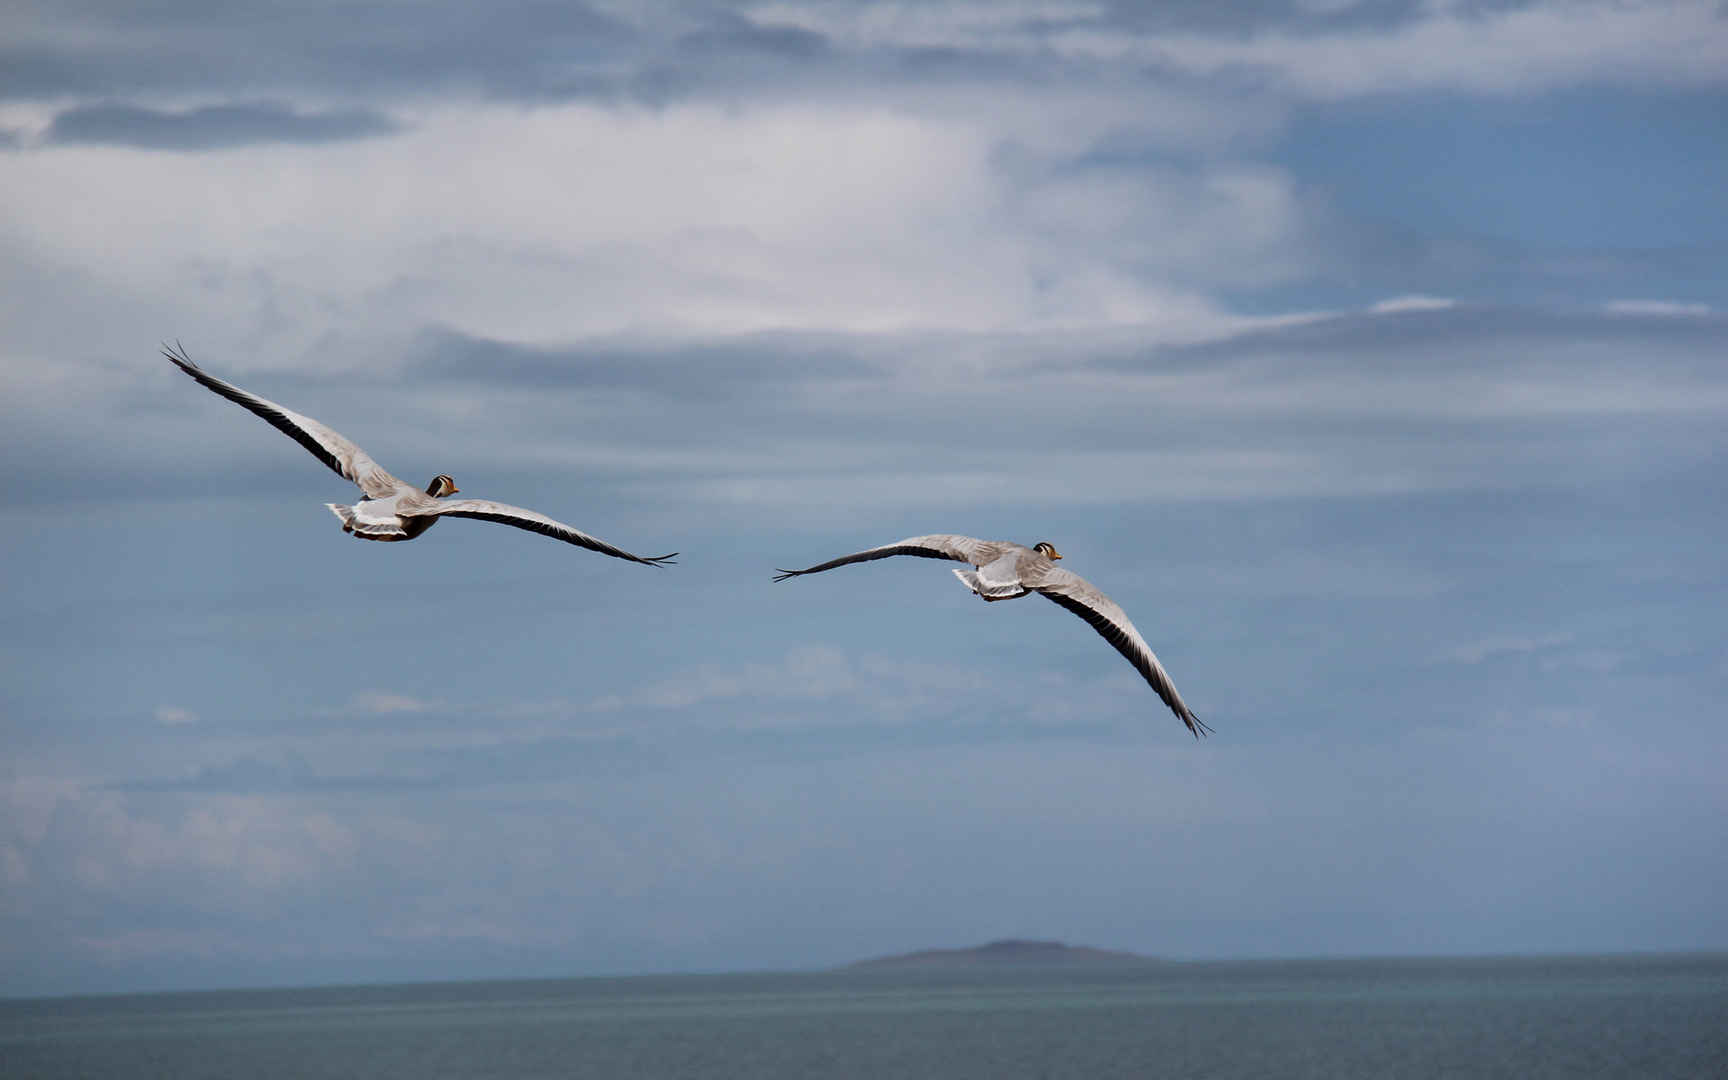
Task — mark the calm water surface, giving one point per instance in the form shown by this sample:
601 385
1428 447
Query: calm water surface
1525 1018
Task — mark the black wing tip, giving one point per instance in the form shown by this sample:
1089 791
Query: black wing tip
177 353
782 575
1195 726
659 560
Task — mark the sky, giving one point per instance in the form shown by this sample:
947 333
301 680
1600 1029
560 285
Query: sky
1370 353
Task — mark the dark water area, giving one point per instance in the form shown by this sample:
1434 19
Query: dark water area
1645 1017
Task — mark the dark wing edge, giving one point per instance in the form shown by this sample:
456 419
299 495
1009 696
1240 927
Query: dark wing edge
1126 642
271 413
924 547
557 531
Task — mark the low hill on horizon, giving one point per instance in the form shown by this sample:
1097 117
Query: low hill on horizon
1009 952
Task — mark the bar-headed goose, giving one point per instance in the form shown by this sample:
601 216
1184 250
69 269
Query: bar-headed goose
1003 571
389 508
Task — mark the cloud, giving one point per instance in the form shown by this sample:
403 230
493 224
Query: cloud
363 764
736 366
382 703
1675 308
1489 648
1422 398
174 716
731 33
517 48
103 840
1026 31
1553 652
1232 225
649 873
811 686
212 127
1598 661
665 54
250 775
689 223
154 942
1509 49
812 672
1411 303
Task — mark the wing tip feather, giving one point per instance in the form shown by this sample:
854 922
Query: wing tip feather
178 354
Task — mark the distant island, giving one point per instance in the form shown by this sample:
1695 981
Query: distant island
1009 953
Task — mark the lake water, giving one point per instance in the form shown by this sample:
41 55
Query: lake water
1643 1017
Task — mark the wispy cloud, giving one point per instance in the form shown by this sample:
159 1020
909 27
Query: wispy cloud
174 716
212 127
1499 50
277 774
810 672
1499 645
1412 303
1677 308
658 54
1370 402
384 703
1598 661
819 686
179 945
107 843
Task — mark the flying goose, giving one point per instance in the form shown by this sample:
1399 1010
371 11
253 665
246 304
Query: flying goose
390 509
1003 571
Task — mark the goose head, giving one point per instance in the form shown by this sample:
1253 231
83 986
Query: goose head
441 486
1046 549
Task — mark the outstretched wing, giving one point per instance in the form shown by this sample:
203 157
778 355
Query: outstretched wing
505 514
964 549
326 445
1082 598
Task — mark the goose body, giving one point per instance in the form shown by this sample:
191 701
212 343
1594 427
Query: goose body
390 509
1001 570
